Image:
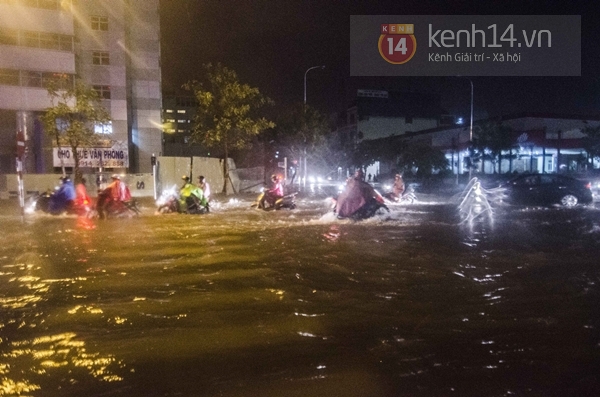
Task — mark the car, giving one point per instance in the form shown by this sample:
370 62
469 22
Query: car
593 176
548 189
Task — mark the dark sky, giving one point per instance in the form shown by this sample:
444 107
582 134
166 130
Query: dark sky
271 44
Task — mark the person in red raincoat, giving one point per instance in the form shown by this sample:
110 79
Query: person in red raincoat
355 196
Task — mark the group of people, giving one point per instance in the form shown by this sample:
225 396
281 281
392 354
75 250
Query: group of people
114 198
360 198
194 198
70 198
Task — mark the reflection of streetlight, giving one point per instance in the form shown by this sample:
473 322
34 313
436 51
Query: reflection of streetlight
305 73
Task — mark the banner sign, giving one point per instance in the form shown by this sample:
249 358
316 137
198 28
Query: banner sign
115 156
465 45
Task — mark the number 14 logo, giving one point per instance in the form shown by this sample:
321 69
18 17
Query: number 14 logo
397 48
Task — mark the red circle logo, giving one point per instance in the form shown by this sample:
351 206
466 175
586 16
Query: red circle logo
397 48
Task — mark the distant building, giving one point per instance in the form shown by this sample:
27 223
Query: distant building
544 143
178 123
112 45
379 114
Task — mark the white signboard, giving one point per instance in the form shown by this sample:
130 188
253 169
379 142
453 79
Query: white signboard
115 156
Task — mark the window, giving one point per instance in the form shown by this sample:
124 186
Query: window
100 58
9 37
34 79
103 129
65 81
48 4
99 23
66 42
31 79
103 91
30 39
169 110
182 121
9 77
180 111
49 40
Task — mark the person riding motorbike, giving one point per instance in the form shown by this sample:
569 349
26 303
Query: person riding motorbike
274 193
190 196
397 189
358 197
205 187
63 198
82 199
110 197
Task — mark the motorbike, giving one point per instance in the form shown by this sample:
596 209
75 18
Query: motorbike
368 210
408 197
169 202
106 207
42 202
288 201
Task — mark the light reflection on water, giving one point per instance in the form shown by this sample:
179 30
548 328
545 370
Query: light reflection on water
298 303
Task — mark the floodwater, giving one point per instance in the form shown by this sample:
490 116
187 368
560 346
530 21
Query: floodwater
241 302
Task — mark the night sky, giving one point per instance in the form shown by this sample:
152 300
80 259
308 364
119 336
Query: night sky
271 43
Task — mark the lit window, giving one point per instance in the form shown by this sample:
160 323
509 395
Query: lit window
103 129
99 23
100 58
169 110
182 121
181 111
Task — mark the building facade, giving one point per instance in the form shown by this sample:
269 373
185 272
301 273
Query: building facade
113 46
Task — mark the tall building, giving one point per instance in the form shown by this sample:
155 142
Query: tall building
112 45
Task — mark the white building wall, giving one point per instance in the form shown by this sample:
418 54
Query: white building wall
382 127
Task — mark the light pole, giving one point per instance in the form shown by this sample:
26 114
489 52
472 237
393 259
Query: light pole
305 73
471 125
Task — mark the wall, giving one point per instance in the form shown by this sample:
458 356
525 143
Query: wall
141 185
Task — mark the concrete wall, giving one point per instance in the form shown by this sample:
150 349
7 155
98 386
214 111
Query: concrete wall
141 185
171 169
168 169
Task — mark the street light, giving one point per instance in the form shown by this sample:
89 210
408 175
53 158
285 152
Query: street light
305 73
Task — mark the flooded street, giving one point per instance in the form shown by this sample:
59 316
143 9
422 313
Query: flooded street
241 302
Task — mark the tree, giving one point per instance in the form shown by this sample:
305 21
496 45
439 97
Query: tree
301 132
423 159
496 138
71 120
227 112
591 142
